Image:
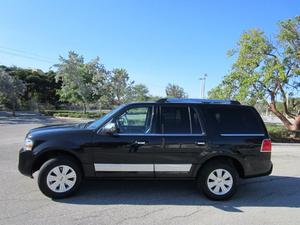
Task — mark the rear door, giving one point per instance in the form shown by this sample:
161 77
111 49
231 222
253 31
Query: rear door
183 141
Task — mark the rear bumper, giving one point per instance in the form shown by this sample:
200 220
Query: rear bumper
25 162
268 168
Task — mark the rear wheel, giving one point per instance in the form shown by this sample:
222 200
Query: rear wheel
218 180
59 177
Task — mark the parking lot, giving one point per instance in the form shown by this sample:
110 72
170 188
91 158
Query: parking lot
267 200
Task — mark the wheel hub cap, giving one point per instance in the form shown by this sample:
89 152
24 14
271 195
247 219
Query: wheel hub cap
220 181
61 178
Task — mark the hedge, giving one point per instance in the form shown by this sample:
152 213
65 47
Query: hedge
73 114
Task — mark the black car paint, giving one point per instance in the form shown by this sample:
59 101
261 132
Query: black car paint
91 146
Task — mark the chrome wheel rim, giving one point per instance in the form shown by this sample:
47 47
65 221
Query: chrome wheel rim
61 178
220 182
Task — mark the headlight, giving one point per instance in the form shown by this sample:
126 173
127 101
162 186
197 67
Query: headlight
28 144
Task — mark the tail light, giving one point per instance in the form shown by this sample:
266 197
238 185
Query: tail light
266 145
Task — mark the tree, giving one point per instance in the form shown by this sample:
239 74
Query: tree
120 85
175 91
267 71
138 93
11 89
81 82
41 87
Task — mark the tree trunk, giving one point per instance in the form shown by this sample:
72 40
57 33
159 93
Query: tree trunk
296 125
283 119
13 109
290 126
84 108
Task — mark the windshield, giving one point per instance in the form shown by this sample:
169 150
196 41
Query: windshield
100 121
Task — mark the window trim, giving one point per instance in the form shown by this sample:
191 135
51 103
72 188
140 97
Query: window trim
139 106
156 112
190 119
119 113
200 120
151 120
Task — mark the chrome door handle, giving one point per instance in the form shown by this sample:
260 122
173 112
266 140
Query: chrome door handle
139 142
200 143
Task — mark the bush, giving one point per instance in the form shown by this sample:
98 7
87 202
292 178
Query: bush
72 114
279 133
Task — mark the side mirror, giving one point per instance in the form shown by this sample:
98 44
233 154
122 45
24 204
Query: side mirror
110 128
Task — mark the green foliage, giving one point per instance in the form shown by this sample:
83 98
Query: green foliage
261 67
265 70
11 89
121 86
175 91
77 83
73 114
138 93
41 87
82 82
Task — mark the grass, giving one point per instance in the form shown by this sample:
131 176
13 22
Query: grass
279 133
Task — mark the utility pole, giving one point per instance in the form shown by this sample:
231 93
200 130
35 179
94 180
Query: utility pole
201 80
202 85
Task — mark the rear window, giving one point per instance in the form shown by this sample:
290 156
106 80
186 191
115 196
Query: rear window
235 120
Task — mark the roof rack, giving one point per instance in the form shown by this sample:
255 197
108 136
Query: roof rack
199 101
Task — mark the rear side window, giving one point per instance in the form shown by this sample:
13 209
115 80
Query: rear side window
175 120
235 120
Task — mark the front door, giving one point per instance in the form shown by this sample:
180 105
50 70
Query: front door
129 152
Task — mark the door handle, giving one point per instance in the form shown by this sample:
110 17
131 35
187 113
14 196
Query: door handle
200 143
139 142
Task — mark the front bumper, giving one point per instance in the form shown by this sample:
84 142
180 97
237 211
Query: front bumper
25 162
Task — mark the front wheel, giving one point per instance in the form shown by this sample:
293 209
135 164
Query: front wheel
218 180
59 177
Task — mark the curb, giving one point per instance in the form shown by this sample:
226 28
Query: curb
284 144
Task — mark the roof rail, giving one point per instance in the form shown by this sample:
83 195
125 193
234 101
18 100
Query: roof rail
199 101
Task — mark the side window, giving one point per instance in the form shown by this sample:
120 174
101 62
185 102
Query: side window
135 120
196 126
175 120
235 120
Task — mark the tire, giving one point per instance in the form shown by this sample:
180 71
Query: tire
59 177
218 180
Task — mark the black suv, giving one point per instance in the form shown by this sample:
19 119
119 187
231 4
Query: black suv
213 142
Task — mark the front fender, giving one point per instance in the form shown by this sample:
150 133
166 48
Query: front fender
62 146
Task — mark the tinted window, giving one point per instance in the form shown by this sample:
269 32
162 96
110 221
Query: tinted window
235 120
175 120
196 127
135 120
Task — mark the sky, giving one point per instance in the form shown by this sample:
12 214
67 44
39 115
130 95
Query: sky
157 42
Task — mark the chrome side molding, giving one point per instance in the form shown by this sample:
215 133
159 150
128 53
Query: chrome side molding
242 135
124 167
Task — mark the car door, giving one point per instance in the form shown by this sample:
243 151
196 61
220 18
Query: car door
184 141
129 152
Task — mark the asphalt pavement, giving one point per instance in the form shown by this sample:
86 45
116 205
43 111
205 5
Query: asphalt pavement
267 200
